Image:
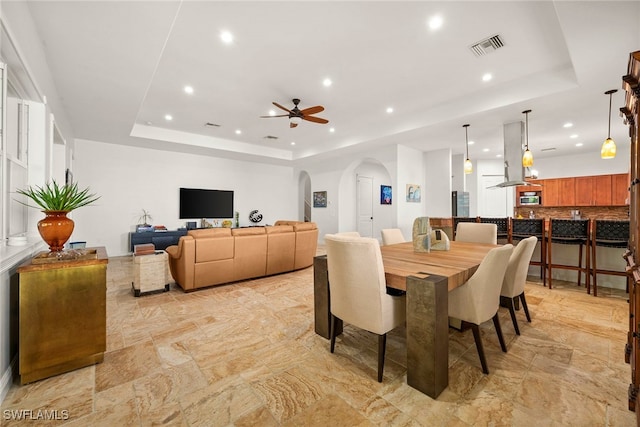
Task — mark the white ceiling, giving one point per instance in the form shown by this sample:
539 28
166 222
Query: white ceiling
119 67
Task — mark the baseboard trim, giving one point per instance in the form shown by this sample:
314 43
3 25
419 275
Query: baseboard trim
6 380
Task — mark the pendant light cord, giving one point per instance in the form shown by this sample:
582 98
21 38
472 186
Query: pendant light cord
609 130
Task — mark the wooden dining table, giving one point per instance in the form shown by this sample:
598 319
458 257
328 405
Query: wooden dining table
427 278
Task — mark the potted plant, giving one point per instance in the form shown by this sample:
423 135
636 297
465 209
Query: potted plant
56 201
143 221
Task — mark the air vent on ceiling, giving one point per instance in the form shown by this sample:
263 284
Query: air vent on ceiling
270 137
487 45
548 149
209 124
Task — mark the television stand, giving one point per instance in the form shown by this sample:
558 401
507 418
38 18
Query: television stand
160 239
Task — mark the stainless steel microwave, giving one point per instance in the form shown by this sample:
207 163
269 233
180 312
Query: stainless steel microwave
529 200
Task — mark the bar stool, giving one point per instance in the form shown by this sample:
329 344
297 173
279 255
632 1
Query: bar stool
520 229
503 226
608 234
457 219
569 232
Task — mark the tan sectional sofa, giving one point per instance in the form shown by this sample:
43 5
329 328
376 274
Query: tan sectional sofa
214 256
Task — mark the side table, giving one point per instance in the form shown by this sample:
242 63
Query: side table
151 273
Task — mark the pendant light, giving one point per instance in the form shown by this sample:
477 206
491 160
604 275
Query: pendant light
608 150
527 158
468 166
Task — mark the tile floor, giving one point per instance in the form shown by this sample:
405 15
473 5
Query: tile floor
246 355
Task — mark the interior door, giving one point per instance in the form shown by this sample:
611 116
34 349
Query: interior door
365 205
492 201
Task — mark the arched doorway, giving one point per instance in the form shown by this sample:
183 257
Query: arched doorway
304 196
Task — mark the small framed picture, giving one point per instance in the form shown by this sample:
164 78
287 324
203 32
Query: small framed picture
413 193
319 199
385 195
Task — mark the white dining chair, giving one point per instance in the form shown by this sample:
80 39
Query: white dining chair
516 276
476 232
357 290
478 300
391 236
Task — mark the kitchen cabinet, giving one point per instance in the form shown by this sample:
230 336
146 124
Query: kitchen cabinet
567 192
620 189
593 190
550 192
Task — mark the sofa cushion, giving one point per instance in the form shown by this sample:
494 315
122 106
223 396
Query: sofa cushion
248 231
210 232
304 226
273 229
214 248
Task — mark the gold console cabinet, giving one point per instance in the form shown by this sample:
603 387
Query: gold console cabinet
62 314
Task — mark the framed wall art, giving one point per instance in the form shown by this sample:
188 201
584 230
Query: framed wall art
413 193
385 195
319 199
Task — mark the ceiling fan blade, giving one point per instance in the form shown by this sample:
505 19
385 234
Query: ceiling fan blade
312 110
281 107
280 115
315 119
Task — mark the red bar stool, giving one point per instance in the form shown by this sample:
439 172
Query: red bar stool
608 234
569 232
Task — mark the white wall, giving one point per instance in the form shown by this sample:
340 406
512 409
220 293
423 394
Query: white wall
383 215
583 165
411 170
130 179
437 188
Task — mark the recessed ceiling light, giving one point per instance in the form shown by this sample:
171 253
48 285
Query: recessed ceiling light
293 143
435 22
574 136
486 77
238 131
226 37
332 130
498 155
485 149
579 144
471 142
272 112
168 117
567 125
188 89
327 82
389 110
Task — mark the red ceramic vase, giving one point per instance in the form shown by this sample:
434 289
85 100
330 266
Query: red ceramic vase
55 229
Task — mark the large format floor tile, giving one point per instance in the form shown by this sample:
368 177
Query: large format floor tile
246 354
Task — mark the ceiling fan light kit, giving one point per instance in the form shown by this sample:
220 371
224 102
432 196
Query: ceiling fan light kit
296 116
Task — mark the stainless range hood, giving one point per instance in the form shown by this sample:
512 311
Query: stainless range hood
513 150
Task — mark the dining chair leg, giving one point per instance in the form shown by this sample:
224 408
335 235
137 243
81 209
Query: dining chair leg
549 263
512 312
332 334
524 307
593 270
496 323
382 345
579 264
479 347
587 267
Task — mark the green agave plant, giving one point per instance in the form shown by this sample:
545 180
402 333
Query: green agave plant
54 197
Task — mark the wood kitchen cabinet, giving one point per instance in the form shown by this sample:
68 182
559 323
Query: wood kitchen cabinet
620 189
593 190
567 192
550 192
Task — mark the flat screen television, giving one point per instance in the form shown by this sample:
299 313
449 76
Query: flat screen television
197 203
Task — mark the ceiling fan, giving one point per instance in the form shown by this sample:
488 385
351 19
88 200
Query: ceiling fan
296 115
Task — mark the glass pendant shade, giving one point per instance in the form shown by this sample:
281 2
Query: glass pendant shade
527 158
608 150
468 166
